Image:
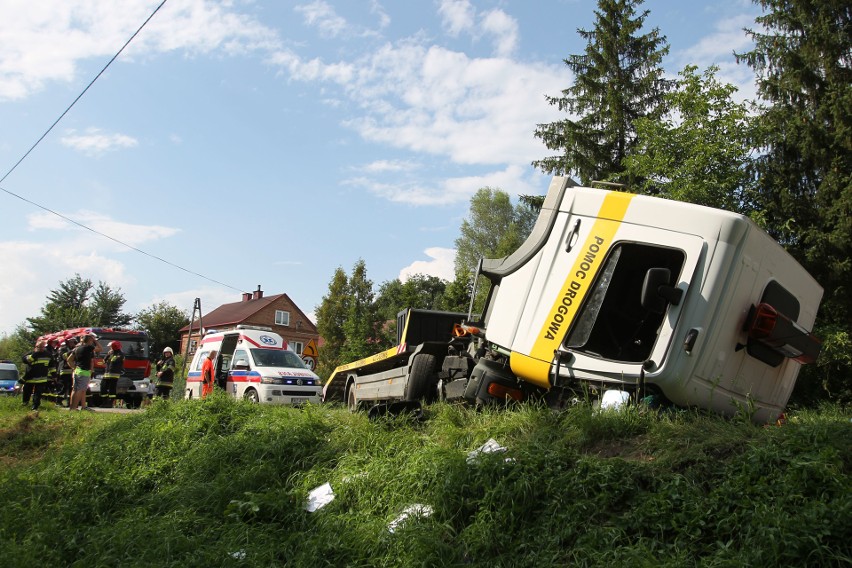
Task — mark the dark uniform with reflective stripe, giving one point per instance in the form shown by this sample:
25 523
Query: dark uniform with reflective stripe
65 371
165 376
114 365
40 364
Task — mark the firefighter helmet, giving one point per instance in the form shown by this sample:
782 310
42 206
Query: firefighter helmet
115 345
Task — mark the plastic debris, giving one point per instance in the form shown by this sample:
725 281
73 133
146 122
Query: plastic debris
319 498
239 555
489 447
416 510
614 399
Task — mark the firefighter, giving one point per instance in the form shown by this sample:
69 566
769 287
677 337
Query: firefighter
165 373
81 361
65 369
52 386
39 364
113 367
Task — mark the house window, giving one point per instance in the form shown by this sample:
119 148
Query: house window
282 317
193 345
296 346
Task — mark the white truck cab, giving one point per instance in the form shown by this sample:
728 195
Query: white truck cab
254 363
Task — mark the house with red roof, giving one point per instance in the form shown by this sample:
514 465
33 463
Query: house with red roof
277 312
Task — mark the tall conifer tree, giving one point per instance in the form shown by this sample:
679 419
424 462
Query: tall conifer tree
803 58
803 61
617 80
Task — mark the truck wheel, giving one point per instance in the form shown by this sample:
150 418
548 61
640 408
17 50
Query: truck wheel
351 401
251 396
421 380
440 391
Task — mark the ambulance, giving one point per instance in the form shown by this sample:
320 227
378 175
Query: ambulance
254 363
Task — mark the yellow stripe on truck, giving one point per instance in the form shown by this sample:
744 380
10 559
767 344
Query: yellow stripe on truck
535 367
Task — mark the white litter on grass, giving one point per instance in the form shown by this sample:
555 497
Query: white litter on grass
489 447
614 399
239 555
319 498
416 510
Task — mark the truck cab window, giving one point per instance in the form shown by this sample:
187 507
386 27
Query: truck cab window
612 324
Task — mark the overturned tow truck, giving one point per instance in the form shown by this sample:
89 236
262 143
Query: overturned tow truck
613 292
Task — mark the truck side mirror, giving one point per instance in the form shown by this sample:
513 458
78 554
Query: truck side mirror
656 291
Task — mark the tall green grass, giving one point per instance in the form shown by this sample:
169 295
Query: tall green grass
224 483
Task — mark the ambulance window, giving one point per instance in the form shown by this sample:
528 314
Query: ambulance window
241 361
612 324
200 360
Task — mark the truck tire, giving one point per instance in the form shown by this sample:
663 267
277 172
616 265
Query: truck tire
351 401
421 380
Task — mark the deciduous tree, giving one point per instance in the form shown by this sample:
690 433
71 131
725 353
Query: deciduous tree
700 150
74 304
162 322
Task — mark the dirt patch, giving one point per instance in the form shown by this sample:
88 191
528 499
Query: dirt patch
630 450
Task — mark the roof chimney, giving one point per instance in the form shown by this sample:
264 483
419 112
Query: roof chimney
258 294
246 296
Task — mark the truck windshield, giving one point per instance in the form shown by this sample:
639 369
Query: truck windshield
276 358
133 345
612 323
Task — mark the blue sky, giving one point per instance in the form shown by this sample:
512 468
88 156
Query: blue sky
260 142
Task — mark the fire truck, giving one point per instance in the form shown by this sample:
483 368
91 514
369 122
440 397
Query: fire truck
134 386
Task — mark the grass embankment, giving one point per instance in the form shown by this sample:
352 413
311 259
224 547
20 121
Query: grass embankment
224 483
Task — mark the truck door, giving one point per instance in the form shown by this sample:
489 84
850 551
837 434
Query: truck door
582 294
613 334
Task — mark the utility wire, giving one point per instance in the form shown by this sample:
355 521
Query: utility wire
60 215
46 132
92 82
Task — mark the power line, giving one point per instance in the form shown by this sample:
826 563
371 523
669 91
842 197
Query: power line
131 247
61 116
92 82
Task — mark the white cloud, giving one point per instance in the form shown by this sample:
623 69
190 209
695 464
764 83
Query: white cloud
504 30
457 16
129 233
460 16
96 143
450 191
442 102
322 16
718 48
65 250
377 9
39 267
441 265
386 166
44 41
